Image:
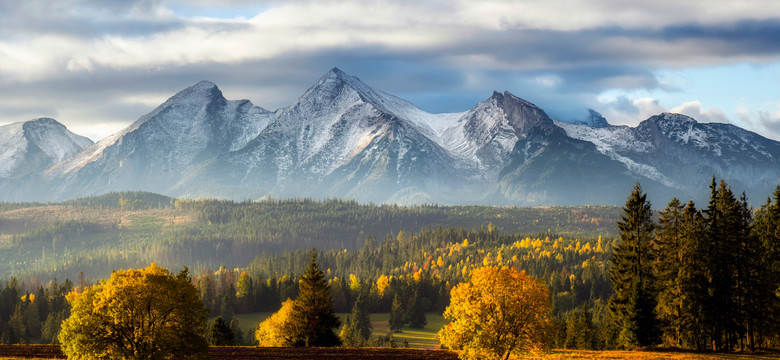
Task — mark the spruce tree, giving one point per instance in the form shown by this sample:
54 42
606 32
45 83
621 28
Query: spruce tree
692 278
633 304
219 333
667 265
724 232
360 320
396 314
313 309
586 338
415 314
765 304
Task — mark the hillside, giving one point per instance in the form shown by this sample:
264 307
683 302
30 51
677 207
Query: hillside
122 230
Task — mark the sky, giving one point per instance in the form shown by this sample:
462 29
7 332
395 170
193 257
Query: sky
96 65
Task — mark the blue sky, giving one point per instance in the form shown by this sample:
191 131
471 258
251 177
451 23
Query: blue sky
96 65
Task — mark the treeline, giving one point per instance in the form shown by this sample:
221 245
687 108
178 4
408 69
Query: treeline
125 200
129 230
699 278
412 273
33 317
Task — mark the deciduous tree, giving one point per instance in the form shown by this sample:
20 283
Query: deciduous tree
136 314
498 312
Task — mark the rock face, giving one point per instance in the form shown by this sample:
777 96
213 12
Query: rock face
344 139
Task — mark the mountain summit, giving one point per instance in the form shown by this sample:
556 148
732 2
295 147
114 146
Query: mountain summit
342 138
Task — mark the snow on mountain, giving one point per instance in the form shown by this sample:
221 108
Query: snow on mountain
32 146
342 138
683 154
154 152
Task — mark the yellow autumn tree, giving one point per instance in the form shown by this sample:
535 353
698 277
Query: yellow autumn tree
137 314
278 329
500 311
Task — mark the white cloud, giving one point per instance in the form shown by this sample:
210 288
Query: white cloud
694 110
622 111
765 122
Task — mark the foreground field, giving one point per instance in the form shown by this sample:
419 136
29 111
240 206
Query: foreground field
15 352
643 355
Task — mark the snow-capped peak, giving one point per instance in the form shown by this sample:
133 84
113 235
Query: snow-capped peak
32 146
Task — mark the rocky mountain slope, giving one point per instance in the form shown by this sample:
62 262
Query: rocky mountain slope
344 139
33 146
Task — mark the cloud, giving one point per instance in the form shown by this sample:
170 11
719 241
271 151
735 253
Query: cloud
441 55
694 110
625 111
766 122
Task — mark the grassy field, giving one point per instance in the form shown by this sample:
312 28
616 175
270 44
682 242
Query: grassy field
417 338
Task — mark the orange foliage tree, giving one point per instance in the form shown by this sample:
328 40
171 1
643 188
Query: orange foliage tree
500 311
137 314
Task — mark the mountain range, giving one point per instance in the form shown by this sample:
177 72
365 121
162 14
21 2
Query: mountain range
345 139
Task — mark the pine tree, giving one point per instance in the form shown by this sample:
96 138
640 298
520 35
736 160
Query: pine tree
313 309
723 221
631 273
585 332
415 314
348 335
238 335
668 262
396 314
765 303
360 320
219 333
692 278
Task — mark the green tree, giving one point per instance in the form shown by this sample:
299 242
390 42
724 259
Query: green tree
724 231
632 275
765 322
415 314
692 278
360 320
668 267
219 333
313 309
396 314
136 314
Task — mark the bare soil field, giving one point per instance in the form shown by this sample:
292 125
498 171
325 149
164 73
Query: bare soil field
15 352
246 353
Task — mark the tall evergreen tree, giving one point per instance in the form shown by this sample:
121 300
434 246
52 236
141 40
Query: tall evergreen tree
667 265
724 232
692 278
219 333
313 309
765 305
360 320
396 314
415 313
632 275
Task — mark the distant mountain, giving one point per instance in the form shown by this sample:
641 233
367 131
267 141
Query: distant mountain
155 152
682 154
33 146
344 139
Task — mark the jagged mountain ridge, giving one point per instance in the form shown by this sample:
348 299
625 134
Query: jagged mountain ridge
342 138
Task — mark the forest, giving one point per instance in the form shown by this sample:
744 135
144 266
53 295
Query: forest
246 257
